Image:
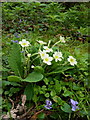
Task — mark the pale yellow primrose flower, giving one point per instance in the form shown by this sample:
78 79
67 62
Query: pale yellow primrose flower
47 49
47 59
72 60
24 43
57 56
41 42
42 54
62 39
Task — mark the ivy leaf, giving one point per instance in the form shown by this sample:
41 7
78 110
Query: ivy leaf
33 77
66 108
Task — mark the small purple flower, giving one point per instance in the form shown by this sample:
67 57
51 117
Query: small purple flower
74 108
16 35
48 104
22 51
14 41
73 104
26 31
20 21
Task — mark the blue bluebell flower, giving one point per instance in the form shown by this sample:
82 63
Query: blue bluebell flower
73 104
48 104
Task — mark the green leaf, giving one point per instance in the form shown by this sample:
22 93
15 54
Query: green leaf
76 87
67 93
14 90
60 69
57 86
46 81
5 83
47 95
41 116
58 100
66 108
29 92
53 93
33 77
14 79
39 69
14 60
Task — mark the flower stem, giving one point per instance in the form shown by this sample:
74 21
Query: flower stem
56 44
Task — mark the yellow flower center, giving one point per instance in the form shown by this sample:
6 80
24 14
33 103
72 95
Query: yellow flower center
43 54
72 60
24 43
46 59
56 57
47 48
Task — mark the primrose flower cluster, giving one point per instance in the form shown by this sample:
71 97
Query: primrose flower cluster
46 58
57 56
45 53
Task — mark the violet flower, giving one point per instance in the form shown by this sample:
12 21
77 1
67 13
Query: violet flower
73 104
48 104
14 41
22 51
20 21
16 35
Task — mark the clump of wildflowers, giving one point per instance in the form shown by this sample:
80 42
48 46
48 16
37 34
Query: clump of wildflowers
73 104
48 104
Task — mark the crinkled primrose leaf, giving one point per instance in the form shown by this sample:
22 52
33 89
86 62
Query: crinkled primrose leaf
33 77
14 79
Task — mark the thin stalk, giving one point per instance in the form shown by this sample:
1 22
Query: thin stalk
9 110
34 54
49 43
35 58
56 44
69 116
86 112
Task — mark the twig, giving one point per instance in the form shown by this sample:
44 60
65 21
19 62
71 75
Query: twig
20 117
34 117
11 102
